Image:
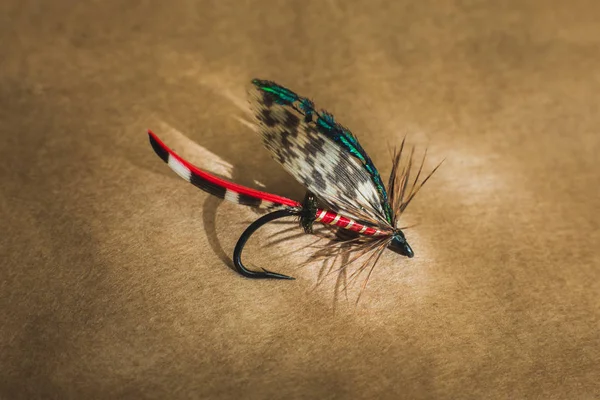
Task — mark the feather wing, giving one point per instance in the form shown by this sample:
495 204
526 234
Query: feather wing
320 153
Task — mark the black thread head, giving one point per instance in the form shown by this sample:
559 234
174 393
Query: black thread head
400 245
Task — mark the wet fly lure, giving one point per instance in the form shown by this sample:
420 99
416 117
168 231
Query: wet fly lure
344 189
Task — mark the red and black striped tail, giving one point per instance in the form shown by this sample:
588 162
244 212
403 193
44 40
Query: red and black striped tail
216 186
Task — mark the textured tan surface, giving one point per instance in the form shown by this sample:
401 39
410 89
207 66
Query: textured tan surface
113 282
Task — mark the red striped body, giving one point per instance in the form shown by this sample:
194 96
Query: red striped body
247 196
332 218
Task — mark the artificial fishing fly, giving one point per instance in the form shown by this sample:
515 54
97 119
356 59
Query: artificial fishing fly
344 189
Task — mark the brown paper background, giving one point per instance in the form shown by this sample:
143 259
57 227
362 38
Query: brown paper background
114 280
